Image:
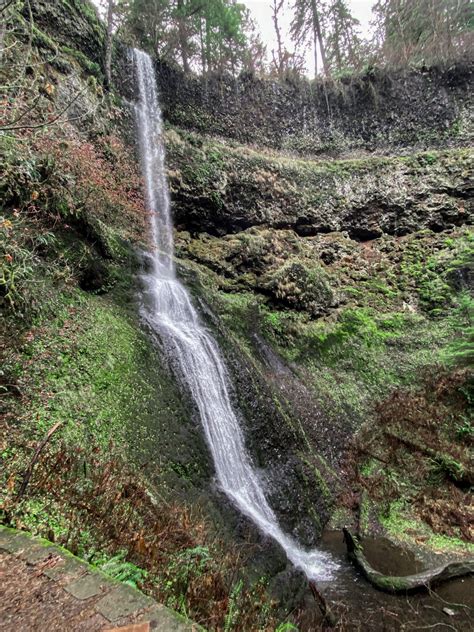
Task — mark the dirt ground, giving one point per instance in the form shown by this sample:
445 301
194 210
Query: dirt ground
30 601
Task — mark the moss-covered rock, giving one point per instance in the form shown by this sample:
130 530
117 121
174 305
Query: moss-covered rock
71 23
223 188
301 288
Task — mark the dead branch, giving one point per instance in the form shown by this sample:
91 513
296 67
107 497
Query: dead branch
5 6
326 611
50 122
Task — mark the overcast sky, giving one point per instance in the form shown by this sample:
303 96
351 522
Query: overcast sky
262 14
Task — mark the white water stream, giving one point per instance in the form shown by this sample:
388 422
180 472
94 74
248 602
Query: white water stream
168 310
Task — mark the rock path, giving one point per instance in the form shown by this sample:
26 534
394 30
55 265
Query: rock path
45 588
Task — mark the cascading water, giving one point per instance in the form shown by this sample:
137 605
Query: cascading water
168 310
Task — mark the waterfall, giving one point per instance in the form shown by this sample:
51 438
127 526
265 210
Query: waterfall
168 310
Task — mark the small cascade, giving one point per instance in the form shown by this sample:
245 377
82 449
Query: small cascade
168 310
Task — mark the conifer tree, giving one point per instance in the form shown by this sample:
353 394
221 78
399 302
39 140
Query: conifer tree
307 26
342 40
425 31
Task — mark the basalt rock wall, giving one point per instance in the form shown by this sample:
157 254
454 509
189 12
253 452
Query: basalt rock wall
383 111
221 189
71 23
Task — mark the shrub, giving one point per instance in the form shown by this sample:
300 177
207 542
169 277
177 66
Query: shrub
302 288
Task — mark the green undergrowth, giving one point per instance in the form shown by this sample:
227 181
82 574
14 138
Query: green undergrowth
356 358
403 525
80 377
364 355
88 66
355 321
93 370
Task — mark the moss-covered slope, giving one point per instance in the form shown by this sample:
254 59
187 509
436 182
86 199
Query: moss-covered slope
336 320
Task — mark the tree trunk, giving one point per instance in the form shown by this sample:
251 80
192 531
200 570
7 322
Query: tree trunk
183 42
318 36
337 42
409 583
203 52
208 47
315 55
276 9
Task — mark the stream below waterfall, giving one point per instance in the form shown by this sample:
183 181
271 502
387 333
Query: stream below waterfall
362 607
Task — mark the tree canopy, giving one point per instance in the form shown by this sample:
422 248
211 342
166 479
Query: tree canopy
219 36
202 35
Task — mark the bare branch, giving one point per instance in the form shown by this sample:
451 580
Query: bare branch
11 127
5 7
29 471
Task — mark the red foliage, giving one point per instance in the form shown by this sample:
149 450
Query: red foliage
100 180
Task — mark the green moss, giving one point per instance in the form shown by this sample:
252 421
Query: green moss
368 468
400 524
301 287
93 369
42 40
448 543
89 66
320 480
92 387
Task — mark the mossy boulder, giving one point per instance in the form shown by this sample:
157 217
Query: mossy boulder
302 288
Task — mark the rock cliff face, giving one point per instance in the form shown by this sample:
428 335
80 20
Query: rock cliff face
220 188
378 111
73 24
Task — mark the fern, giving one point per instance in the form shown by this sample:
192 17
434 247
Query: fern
126 572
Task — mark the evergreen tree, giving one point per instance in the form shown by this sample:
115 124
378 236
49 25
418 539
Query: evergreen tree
306 27
342 40
212 35
425 31
148 23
